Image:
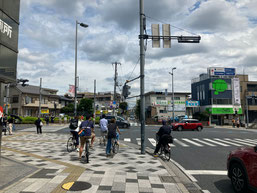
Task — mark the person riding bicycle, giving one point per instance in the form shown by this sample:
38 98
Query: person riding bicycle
88 127
164 137
112 133
103 127
74 129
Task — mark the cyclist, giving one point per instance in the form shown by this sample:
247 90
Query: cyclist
112 133
74 129
164 137
88 126
103 127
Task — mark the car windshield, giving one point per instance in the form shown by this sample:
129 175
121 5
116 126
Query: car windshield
182 121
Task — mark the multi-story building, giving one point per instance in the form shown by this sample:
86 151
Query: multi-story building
9 28
159 104
104 101
218 92
248 94
24 101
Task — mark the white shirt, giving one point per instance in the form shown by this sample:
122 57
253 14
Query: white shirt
103 124
77 129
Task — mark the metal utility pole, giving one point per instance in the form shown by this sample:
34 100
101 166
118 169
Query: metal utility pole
7 98
94 99
247 115
142 76
40 98
173 111
76 48
115 84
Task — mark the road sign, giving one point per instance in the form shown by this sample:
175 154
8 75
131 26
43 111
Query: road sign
1 111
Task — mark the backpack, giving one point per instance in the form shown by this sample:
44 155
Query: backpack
85 131
73 124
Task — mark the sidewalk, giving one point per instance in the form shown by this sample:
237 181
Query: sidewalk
50 167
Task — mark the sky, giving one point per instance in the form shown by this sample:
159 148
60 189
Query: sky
228 30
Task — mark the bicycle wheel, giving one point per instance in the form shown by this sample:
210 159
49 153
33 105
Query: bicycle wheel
70 145
167 153
116 147
87 152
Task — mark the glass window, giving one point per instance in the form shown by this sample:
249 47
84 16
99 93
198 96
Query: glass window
15 99
163 111
176 98
160 98
28 100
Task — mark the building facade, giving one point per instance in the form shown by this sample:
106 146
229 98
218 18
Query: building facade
104 101
159 104
218 93
24 101
248 93
9 29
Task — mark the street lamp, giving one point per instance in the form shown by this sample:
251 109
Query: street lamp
76 42
173 116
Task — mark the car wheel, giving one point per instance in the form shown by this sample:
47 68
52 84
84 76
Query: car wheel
199 128
238 178
180 128
125 126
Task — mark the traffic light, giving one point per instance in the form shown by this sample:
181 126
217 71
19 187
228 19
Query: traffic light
125 91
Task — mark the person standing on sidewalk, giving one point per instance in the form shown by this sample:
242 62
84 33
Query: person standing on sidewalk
104 128
39 125
10 125
237 123
5 124
233 122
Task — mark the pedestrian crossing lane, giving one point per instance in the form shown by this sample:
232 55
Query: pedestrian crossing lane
240 142
231 143
204 142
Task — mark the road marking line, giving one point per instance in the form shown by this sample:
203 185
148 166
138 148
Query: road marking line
204 142
252 143
192 142
208 172
222 144
127 139
206 191
181 143
152 141
250 140
138 141
239 142
231 143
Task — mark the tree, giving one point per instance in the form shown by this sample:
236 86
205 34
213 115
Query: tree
123 106
69 109
137 111
85 106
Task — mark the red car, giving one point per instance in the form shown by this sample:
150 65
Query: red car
242 169
192 124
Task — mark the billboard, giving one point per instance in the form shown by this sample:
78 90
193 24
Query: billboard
219 71
236 91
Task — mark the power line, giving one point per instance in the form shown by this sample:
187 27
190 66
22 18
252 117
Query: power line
170 25
134 68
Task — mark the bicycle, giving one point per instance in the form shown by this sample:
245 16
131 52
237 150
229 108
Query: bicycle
164 150
115 146
71 144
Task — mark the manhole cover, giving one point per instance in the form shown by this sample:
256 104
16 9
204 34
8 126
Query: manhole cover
76 186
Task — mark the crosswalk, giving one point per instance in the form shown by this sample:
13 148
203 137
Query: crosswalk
203 142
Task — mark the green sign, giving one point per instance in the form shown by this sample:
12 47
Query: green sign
217 111
219 85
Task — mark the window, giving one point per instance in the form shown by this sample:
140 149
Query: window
176 98
222 101
15 99
28 100
160 98
15 111
28 112
163 111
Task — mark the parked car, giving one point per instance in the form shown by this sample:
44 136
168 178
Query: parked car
242 169
120 121
192 124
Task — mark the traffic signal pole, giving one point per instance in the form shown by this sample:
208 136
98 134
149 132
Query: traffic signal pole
142 76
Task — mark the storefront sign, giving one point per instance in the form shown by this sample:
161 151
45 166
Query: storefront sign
219 85
45 111
236 90
222 71
5 29
218 111
192 103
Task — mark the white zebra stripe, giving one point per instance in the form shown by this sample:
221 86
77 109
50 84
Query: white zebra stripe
231 143
222 144
152 141
250 142
181 143
127 139
204 142
241 142
192 142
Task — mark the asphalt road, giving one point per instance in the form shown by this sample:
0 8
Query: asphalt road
206 162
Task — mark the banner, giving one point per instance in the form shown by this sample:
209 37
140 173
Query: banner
71 91
236 90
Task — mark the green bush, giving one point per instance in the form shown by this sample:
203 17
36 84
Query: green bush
28 120
97 120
